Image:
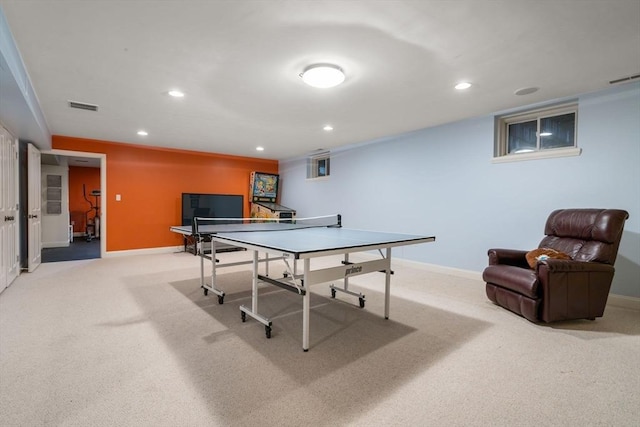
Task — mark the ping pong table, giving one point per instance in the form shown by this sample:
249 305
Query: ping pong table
293 241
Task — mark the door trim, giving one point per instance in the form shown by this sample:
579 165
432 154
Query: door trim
103 190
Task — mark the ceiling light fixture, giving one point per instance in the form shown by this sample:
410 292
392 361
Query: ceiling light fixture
259 148
328 128
525 91
323 75
463 85
176 93
142 133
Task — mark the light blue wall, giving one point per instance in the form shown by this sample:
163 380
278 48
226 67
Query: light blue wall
440 181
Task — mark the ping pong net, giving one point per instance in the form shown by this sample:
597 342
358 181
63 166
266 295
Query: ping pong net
207 226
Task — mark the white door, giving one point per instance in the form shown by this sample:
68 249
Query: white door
34 208
9 230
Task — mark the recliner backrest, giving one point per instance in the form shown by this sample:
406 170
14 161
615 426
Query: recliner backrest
585 234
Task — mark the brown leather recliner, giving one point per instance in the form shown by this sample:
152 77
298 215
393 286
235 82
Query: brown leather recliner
560 289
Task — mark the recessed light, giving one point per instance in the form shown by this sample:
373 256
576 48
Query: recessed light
176 93
463 85
328 128
143 133
259 148
323 75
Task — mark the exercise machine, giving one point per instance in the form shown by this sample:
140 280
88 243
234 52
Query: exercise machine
92 216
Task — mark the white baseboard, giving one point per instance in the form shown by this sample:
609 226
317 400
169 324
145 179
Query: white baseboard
624 301
621 301
615 300
148 251
466 274
61 244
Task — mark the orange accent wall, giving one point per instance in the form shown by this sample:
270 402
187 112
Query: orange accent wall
151 182
79 208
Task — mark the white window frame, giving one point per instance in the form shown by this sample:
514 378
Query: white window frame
316 164
502 125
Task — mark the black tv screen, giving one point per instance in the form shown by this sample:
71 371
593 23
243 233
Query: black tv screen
210 206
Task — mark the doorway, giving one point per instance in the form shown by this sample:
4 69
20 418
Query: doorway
85 225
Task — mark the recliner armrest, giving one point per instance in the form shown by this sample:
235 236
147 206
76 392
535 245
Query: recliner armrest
563 265
513 257
573 289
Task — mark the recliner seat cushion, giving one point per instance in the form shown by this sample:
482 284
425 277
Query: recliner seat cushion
516 279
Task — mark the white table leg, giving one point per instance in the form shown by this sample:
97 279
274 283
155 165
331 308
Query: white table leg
306 307
387 285
201 265
254 284
213 264
346 279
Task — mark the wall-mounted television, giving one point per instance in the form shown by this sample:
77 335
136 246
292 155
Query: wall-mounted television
211 206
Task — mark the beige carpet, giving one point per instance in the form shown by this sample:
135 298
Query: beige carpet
132 341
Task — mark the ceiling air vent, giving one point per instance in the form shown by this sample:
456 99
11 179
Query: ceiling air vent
83 106
625 79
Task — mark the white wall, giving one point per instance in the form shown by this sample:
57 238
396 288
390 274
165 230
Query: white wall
55 228
440 181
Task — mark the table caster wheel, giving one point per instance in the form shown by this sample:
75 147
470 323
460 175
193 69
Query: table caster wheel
361 301
243 316
267 330
333 293
206 291
220 299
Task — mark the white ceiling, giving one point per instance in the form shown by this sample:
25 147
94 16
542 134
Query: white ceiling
63 160
239 62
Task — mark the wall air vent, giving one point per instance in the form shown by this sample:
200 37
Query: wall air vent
83 106
625 79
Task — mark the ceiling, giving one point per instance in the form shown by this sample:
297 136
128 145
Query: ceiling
238 63
63 160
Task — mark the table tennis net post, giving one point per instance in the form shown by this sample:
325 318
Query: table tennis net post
264 224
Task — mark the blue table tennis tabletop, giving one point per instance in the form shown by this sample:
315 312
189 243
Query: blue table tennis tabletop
309 242
302 242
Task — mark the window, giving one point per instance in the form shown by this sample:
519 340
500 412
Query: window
318 165
541 133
